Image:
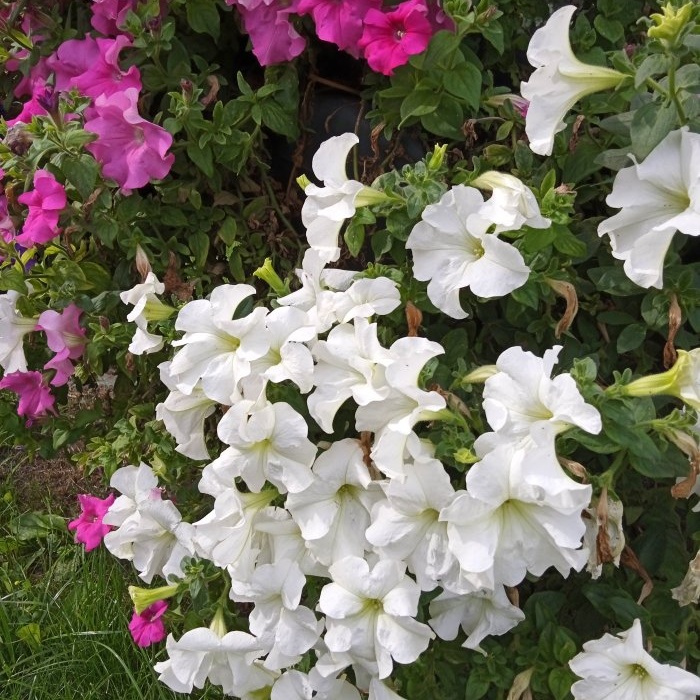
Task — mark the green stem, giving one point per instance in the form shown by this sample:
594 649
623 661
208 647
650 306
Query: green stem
674 94
608 478
657 87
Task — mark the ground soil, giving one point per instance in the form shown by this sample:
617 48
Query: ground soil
45 484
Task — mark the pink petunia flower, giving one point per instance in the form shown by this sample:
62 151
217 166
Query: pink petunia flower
339 21
46 202
272 35
88 526
131 149
65 337
109 15
148 627
35 398
7 227
92 66
389 39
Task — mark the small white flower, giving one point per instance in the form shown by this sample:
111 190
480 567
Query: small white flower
406 525
13 328
202 654
619 668
326 208
452 249
479 614
334 511
286 628
559 82
522 397
512 204
267 442
147 307
657 198
370 614
184 416
216 348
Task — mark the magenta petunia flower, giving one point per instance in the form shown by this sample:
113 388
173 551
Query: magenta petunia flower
65 337
88 526
132 150
339 21
46 201
35 398
148 627
92 66
389 39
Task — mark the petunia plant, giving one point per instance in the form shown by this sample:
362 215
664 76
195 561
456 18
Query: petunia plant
405 408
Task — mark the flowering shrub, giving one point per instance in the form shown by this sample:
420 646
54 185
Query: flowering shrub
414 431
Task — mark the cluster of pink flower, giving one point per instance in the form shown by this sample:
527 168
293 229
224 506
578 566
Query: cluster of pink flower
386 38
65 338
131 150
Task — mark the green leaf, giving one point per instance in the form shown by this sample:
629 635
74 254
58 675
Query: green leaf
29 526
228 231
30 634
198 243
354 237
565 242
476 688
202 158
420 102
203 17
278 119
655 64
81 173
538 238
464 81
650 124
559 681
631 337
610 29
446 120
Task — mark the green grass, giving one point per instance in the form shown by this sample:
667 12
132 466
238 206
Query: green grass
64 616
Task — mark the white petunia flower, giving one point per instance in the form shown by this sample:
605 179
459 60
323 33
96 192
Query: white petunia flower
184 416
521 396
333 513
295 685
512 204
657 198
288 329
317 293
366 297
392 418
326 208
370 614
559 81
520 513
267 442
350 362
227 535
154 538
286 628
406 526
480 614
201 654
619 668
136 485
452 249
216 348
147 307
13 328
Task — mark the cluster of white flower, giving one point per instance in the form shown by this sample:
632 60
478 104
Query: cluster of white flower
380 523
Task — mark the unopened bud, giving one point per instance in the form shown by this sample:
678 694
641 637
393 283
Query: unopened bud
303 182
437 158
479 375
142 265
671 25
143 597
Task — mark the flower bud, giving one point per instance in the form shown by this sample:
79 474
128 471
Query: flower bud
670 26
479 375
268 274
143 597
